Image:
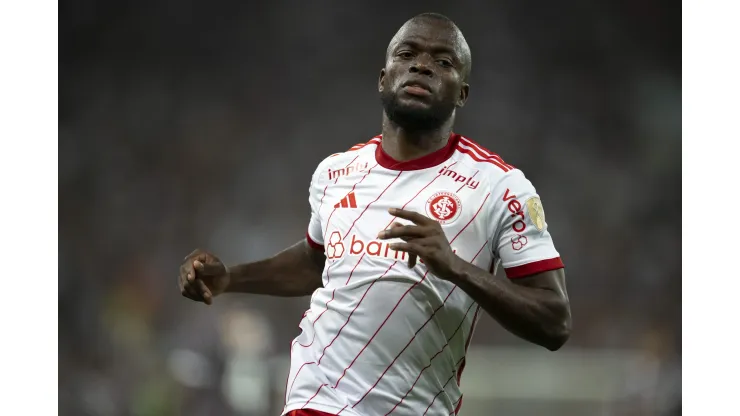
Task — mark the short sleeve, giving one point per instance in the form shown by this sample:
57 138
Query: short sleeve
314 234
520 238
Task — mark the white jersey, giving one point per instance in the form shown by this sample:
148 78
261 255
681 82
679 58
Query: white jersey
381 338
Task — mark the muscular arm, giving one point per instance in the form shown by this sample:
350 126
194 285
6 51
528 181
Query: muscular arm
295 271
535 308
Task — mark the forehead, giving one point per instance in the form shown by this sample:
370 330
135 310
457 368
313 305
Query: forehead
428 34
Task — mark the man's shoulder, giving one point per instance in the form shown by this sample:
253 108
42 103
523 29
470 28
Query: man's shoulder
472 153
494 173
349 156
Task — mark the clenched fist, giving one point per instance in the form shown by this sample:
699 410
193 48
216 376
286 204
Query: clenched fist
202 277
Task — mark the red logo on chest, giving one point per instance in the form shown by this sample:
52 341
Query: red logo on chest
444 207
464 180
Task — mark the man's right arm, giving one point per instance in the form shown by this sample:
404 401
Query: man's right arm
295 271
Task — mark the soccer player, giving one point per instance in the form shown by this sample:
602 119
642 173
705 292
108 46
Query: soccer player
405 232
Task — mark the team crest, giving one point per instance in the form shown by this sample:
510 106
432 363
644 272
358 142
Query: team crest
536 212
444 207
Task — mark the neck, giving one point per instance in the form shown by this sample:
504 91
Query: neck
402 144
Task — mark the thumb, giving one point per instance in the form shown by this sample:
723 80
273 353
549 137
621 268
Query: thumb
208 269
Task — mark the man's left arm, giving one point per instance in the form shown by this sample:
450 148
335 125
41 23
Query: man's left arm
532 302
534 307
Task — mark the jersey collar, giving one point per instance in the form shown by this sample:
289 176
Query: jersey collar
428 161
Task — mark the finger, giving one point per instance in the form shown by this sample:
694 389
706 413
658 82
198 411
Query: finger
412 260
204 268
412 216
411 248
187 272
191 292
188 295
412 257
405 231
398 224
195 252
204 292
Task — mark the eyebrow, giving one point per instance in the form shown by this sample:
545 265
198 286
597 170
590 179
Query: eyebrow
435 48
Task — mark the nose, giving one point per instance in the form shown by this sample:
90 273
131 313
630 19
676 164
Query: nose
421 67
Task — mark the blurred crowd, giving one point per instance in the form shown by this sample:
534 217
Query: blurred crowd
190 125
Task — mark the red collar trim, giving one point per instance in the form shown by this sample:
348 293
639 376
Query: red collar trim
428 161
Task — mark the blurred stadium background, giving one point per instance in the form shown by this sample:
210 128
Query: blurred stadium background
198 124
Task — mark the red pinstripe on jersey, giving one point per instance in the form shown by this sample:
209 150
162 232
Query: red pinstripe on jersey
314 323
471 220
322 197
328 221
432 359
479 250
285 398
324 311
380 327
337 179
467 344
287 391
353 311
440 392
353 269
312 397
459 405
417 194
407 345
463 185
443 388
368 205
417 332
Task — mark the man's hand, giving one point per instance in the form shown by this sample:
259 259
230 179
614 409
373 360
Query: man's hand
202 277
424 239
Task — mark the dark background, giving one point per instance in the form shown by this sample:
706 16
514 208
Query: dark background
187 124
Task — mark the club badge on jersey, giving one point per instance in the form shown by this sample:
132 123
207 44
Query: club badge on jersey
444 207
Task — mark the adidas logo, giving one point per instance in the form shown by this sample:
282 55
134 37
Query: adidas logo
348 201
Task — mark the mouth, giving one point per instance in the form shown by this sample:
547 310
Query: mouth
417 88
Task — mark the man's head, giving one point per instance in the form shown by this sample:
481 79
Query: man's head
426 71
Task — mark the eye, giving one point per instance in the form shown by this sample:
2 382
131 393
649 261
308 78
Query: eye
405 54
445 62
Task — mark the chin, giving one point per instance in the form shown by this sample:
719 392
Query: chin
413 113
415 120
414 106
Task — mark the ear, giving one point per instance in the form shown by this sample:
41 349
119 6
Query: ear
381 79
463 97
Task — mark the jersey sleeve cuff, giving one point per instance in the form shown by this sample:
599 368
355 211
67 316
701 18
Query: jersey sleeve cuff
533 268
313 244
